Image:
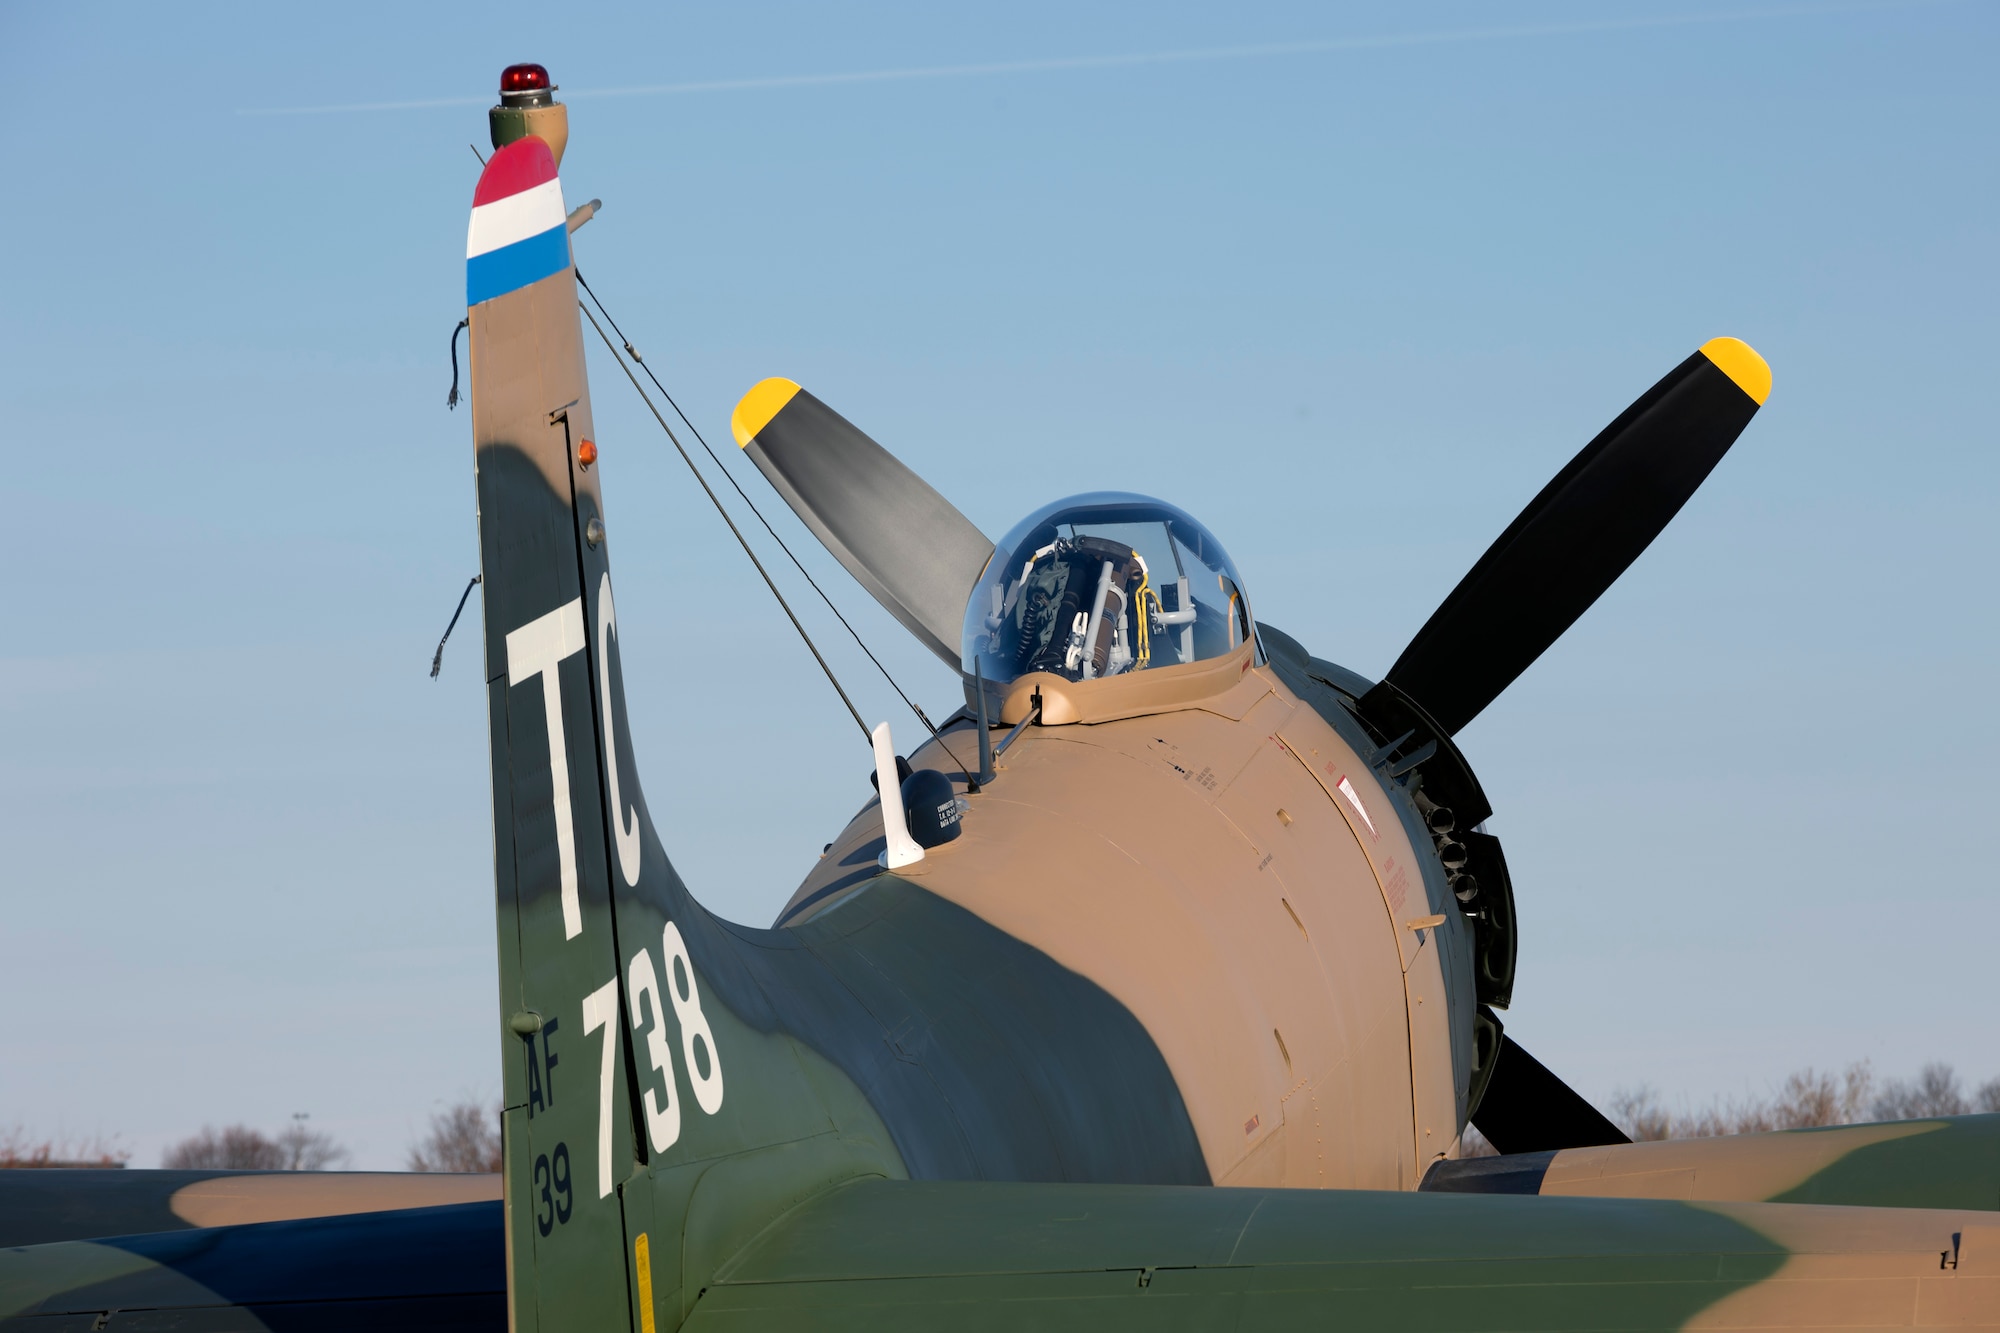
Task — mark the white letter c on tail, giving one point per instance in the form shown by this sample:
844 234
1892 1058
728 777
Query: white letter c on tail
624 822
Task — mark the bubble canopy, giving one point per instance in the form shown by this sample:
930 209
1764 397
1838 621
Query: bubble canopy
1102 585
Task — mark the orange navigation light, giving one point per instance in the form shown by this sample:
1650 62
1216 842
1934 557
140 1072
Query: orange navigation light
586 453
524 79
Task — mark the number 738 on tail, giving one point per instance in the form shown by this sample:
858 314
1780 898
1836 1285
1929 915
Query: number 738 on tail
1156 988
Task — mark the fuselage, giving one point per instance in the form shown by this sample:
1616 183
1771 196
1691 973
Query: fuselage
1231 869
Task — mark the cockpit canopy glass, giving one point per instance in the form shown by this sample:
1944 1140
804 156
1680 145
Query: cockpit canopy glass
1101 585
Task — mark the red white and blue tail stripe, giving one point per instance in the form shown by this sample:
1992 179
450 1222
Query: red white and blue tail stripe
519 231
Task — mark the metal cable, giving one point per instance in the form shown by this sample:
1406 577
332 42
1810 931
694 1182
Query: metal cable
736 532
695 430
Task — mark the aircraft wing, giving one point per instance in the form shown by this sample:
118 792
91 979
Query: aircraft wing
911 1254
39 1207
417 1268
891 1254
1941 1162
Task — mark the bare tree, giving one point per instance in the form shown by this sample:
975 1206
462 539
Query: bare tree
1933 1092
309 1149
18 1148
1644 1116
1810 1098
1640 1113
465 1137
241 1148
236 1147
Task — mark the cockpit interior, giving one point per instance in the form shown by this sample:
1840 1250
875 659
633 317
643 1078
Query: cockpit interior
1103 585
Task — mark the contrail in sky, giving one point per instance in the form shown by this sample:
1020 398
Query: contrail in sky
1060 64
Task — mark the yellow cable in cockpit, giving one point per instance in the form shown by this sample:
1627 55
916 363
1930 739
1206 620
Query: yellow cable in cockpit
1145 654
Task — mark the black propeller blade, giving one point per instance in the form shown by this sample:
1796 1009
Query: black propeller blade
1581 533
1526 1108
906 544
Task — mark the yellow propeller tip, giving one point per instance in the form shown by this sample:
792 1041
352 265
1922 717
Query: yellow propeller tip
1738 360
764 401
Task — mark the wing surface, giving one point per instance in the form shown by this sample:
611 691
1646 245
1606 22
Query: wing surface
412 1269
904 1254
41 1207
1942 1162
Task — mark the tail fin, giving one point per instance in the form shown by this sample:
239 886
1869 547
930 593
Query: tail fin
610 1020
558 945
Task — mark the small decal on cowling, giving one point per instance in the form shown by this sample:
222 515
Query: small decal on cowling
1354 799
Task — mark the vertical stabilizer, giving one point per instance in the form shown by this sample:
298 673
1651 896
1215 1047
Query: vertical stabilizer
656 1115
558 946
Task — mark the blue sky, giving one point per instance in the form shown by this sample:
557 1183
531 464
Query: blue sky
1351 299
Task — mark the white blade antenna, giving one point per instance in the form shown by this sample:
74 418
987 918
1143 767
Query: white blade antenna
901 849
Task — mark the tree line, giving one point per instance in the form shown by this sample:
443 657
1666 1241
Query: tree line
466 1137
1807 1099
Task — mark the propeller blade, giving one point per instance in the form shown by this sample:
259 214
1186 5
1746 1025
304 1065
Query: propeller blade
1581 533
1526 1108
909 547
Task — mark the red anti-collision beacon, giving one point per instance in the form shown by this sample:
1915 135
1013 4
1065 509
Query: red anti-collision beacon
524 79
